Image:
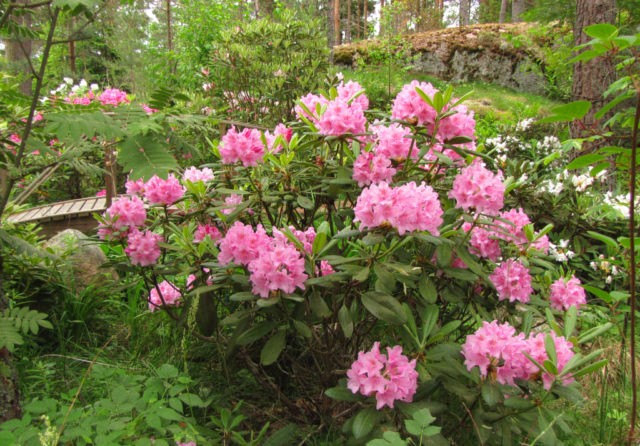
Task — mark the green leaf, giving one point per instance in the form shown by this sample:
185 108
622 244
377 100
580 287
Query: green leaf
318 305
364 422
384 307
590 368
427 290
594 332
567 112
389 438
273 347
611 243
305 203
491 393
286 435
145 156
585 160
339 393
256 332
346 322
168 414
603 31
167 371
191 399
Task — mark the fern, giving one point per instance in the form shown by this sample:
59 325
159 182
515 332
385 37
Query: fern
145 156
17 322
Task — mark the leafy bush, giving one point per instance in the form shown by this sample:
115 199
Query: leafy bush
299 249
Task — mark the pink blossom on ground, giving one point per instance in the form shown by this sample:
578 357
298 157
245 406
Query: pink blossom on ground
476 187
245 146
349 90
277 267
113 96
340 118
194 174
371 168
164 192
313 103
148 110
203 231
127 211
567 293
409 106
389 378
394 142
142 247
165 291
512 280
241 244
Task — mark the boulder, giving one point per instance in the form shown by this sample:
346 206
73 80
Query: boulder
83 257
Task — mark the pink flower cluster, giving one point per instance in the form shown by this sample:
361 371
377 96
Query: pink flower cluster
499 353
389 377
245 146
127 212
567 293
80 100
205 230
281 130
113 96
485 236
341 118
476 187
405 208
409 106
142 247
372 168
353 92
274 264
165 291
164 192
194 175
512 280
314 103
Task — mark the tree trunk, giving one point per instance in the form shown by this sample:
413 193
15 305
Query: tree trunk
18 51
591 79
347 31
464 15
365 22
336 23
503 11
518 7
330 32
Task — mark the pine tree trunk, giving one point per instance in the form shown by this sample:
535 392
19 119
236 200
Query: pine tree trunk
503 11
590 79
465 12
336 23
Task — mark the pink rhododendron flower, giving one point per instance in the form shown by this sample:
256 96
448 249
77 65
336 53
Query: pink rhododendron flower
484 349
406 208
391 377
142 247
135 187
394 142
349 90
340 118
409 106
461 123
101 193
476 187
483 242
245 146
14 138
306 237
241 244
231 202
326 268
127 211
512 280
567 293
165 291
371 168
281 130
194 175
312 102
190 443
278 266
515 233
564 352
203 231
164 192
113 96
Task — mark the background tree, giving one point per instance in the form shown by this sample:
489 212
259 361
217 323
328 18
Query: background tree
591 78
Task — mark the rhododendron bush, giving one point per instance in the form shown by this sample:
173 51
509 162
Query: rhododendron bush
367 270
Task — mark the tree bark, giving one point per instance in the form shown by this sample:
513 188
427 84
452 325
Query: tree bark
464 15
518 7
591 79
336 23
347 31
503 11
